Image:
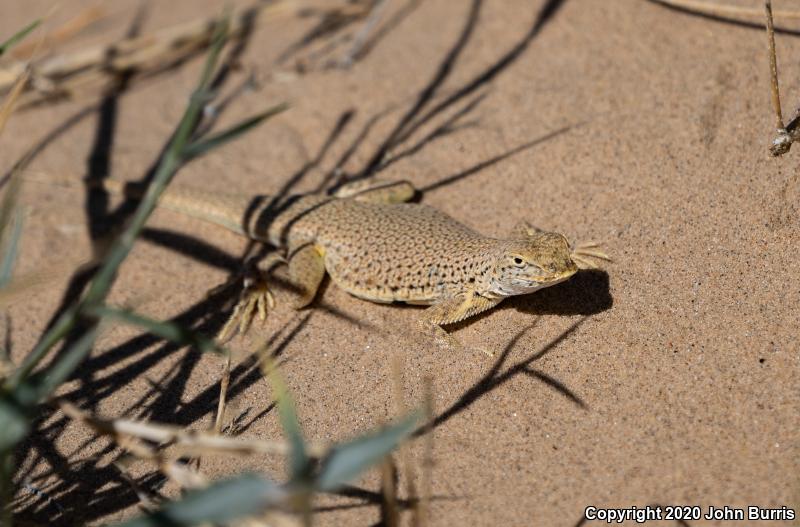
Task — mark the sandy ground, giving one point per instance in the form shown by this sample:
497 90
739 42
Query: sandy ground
669 378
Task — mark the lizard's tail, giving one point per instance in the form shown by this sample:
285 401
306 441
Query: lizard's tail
226 209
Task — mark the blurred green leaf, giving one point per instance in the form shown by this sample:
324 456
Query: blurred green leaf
119 250
167 330
63 367
200 147
221 502
13 424
169 165
8 205
10 249
218 40
348 460
299 463
19 35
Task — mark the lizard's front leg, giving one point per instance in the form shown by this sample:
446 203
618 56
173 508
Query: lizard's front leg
306 271
452 310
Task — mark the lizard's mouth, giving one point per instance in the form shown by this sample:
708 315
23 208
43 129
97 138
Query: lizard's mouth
557 279
526 286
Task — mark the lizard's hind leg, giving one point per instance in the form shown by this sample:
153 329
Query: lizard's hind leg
377 191
523 229
256 298
306 271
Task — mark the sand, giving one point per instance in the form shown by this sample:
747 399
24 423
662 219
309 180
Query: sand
669 378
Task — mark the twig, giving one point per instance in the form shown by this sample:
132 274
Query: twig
710 8
223 393
363 34
69 29
427 455
404 451
773 67
391 514
785 135
187 440
63 75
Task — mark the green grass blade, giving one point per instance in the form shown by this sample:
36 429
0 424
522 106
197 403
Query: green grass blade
10 249
19 35
218 40
166 330
171 161
62 368
299 463
8 206
169 165
221 502
200 147
348 460
13 424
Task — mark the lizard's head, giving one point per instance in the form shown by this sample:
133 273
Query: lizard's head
525 265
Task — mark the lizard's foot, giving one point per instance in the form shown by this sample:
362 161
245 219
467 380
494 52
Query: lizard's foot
445 340
583 254
256 300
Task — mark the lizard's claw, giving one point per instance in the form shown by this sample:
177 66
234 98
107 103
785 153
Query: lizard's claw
256 300
583 254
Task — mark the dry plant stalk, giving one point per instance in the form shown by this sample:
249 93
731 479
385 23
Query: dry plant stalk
391 515
183 441
714 9
223 394
361 38
95 67
404 451
328 39
66 31
427 454
785 135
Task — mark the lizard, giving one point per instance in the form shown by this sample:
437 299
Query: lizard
378 246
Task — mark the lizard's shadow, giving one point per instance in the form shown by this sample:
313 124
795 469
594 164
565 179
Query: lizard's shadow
587 293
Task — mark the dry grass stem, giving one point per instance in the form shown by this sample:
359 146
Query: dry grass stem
184 440
785 135
773 67
93 68
711 8
427 455
391 512
223 394
404 450
62 34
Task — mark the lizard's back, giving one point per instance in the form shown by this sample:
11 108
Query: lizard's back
394 252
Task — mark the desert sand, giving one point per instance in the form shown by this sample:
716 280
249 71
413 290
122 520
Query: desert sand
670 377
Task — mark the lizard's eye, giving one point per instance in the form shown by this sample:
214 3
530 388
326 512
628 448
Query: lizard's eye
518 260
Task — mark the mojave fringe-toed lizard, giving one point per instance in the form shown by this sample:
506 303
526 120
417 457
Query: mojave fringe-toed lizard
378 247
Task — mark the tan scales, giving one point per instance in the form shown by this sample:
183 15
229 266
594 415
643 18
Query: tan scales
377 247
